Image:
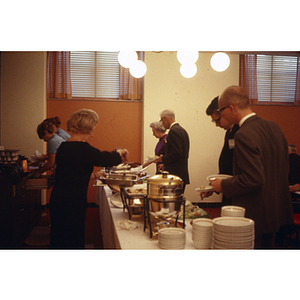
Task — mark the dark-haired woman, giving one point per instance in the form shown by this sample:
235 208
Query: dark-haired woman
45 131
56 122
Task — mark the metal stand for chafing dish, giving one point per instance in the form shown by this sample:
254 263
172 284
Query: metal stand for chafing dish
178 202
126 197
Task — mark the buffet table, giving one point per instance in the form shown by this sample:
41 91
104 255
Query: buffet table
116 238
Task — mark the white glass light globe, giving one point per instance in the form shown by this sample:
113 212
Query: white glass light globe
126 58
187 57
138 69
188 70
220 61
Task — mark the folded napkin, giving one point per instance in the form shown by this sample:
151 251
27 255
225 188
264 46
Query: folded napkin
127 225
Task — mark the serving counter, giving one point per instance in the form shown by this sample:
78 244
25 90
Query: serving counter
114 237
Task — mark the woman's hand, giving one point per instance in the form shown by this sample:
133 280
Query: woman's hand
160 167
47 166
124 154
159 159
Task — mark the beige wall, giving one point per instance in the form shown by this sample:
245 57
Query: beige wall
165 88
23 100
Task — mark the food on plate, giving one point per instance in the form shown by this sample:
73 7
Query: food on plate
137 191
203 188
192 211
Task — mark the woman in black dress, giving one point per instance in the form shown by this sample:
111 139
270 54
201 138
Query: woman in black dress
75 160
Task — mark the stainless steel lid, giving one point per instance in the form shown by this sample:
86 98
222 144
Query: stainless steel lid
165 179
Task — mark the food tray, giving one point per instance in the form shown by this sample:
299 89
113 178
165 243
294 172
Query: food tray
117 179
136 194
137 191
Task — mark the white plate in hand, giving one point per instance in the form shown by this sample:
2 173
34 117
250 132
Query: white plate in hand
206 188
218 176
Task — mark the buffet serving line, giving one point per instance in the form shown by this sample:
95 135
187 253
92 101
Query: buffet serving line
155 215
115 236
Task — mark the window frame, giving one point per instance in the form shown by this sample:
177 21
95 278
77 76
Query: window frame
129 86
273 53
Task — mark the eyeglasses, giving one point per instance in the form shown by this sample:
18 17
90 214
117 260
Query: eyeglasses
217 120
220 110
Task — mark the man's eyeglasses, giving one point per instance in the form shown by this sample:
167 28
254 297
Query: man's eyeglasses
217 120
220 110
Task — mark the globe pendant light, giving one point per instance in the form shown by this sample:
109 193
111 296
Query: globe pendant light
220 61
138 69
187 57
188 70
188 60
127 58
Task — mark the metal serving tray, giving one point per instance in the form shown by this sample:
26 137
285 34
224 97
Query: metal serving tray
119 179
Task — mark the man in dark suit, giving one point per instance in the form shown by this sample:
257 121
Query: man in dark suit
226 156
260 168
175 160
294 177
294 160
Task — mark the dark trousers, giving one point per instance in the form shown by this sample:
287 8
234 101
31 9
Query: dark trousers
67 227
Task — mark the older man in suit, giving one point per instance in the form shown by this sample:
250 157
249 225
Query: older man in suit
175 160
260 168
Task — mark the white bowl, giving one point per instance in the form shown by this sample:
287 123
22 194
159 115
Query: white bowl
171 238
232 211
233 224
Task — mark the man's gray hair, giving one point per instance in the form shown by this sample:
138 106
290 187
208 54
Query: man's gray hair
158 126
168 113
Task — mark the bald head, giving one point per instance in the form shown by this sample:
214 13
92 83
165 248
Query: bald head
234 104
235 95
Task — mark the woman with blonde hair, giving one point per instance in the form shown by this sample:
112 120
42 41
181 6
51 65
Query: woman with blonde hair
75 160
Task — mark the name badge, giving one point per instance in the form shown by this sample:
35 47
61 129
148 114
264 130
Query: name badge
231 143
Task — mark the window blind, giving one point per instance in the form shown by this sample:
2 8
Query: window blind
95 74
276 78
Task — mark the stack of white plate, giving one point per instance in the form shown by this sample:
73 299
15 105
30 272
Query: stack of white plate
233 233
202 233
233 211
171 238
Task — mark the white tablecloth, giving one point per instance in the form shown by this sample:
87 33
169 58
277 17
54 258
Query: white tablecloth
116 238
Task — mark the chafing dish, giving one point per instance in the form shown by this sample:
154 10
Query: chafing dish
165 197
119 179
